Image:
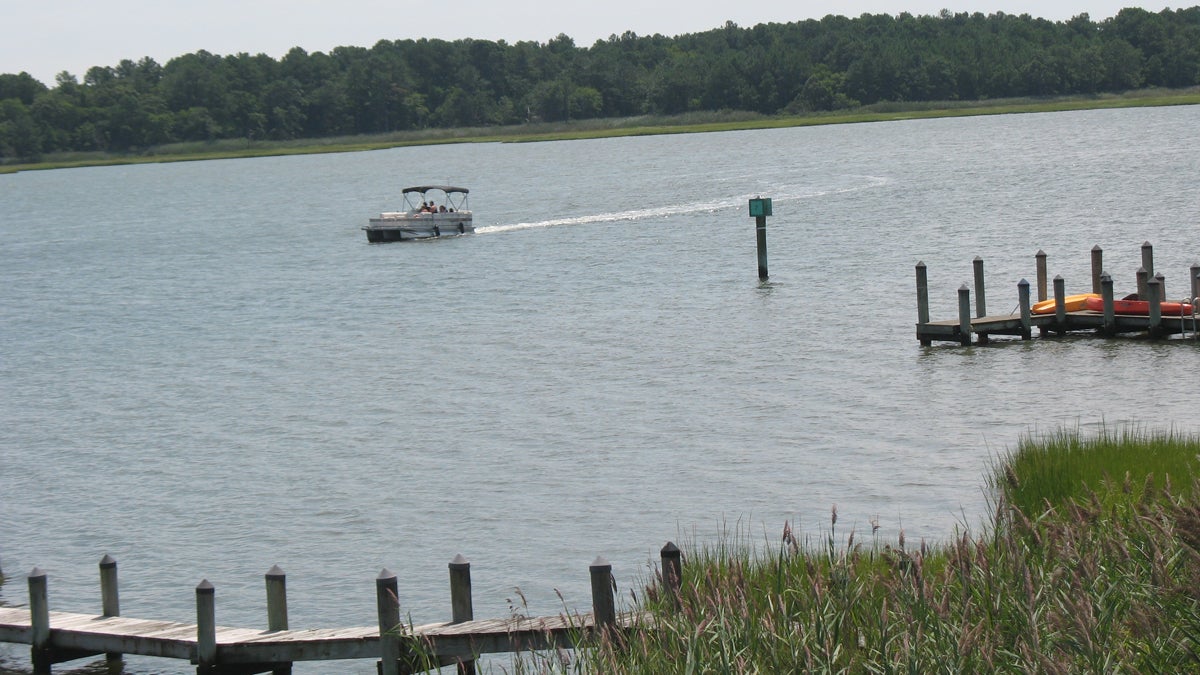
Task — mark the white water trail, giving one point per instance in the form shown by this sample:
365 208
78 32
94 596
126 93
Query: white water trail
736 201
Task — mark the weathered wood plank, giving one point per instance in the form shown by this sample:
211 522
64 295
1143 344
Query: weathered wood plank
78 633
950 330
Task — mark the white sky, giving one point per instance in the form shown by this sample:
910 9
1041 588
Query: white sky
44 37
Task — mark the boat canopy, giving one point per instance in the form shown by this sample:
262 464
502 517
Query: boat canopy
425 188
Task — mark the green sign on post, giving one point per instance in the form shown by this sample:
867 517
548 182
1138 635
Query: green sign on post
760 206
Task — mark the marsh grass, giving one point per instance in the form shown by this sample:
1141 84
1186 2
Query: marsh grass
1103 576
1121 466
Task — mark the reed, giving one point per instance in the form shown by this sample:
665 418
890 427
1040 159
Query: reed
1098 577
1054 469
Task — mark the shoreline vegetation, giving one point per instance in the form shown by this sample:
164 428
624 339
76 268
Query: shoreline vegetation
1089 563
696 122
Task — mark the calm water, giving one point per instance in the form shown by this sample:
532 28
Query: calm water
206 370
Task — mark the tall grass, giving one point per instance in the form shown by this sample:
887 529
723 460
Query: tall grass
1054 469
1076 572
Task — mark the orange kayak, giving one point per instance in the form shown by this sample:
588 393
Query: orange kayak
1072 303
1142 307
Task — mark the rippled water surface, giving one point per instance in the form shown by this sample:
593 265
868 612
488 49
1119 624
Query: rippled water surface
205 369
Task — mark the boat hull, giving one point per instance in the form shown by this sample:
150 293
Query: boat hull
1071 303
1139 307
428 227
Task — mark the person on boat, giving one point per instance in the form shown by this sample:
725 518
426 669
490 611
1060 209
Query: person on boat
442 208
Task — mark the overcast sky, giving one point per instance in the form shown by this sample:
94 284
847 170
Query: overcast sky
45 37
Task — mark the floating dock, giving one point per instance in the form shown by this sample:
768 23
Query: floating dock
978 327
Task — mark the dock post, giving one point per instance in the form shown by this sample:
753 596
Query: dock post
964 315
1106 293
387 596
1060 304
980 303
604 608
1142 278
760 208
277 613
1195 294
1148 258
1097 267
923 293
206 628
1154 295
110 599
1162 286
461 606
922 301
1041 274
1026 313
672 572
39 620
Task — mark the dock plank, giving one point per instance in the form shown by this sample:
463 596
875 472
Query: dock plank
101 634
1084 320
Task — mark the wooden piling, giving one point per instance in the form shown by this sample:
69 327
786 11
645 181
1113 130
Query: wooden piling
980 303
39 620
604 606
1195 270
461 605
1143 277
964 315
672 572
1097 267
110 599
109 595
387 596
922 293
1041 275
206 628
1106 294
760 230
1154 295
1026 312
277 611
1148 258
922 300
1060 303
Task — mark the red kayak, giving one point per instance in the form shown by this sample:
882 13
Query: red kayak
1141 307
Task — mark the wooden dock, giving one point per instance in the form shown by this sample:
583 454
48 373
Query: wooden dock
56 637
74 636
977 326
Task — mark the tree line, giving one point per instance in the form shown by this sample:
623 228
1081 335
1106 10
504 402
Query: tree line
777 68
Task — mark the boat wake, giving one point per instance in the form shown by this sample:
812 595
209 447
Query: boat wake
666 211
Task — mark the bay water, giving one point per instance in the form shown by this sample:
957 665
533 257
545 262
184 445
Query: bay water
206 370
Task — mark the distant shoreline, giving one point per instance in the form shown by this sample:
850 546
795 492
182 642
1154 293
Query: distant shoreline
607 128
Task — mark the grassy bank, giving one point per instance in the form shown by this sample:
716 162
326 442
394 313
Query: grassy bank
1090 564
633 126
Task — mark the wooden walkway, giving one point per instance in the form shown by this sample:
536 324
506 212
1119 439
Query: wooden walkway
55 637
1011 324
81 635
